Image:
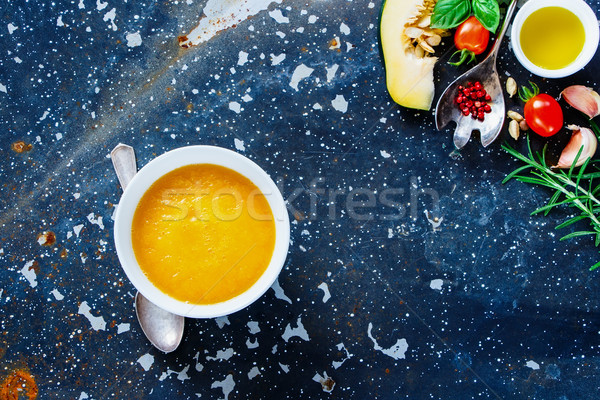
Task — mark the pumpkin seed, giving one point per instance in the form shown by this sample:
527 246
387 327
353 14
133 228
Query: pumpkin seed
434 40
413 32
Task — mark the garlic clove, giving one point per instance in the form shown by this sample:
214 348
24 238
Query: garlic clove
580 137
584 99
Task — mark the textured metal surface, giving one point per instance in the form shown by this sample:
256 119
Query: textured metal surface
401 296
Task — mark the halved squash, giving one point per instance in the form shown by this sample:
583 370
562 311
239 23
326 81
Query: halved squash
407 41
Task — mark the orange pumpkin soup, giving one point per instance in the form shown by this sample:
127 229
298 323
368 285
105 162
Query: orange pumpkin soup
203 233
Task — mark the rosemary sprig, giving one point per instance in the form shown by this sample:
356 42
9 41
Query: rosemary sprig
571 189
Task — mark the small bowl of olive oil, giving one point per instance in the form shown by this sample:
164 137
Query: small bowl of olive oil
555 38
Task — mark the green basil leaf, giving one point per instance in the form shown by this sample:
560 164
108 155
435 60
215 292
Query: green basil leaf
488 13
450 13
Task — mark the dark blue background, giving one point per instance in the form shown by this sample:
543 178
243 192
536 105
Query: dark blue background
511 292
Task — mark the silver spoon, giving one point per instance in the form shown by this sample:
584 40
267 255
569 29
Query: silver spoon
486 73
162 328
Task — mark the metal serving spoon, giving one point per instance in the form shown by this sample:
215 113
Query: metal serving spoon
162 328
486 73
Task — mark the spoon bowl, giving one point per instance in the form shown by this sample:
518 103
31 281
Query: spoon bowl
162 328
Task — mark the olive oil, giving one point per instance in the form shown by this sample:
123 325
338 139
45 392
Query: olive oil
552 37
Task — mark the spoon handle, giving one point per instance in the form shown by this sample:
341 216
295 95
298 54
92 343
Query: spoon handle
123 159
509 13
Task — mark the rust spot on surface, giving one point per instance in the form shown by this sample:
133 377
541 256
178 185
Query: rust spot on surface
333 43
47 238
20 146
181 40
328 384
17 385
64 253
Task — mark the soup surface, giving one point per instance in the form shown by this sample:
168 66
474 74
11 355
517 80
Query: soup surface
203 233
552 37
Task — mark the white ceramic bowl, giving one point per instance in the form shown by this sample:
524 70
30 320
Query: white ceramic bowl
179 158
590 25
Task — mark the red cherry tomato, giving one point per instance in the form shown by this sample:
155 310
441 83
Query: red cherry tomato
542 112
472 36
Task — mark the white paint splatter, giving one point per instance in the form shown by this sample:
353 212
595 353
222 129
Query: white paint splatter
252 345
11 28
199 367
98 323
434 221
247 98
253 373
44 115
122 328
344 29
110 16
83 396
312 19
317 106
235 107
29 274
436 284
220 15
253 327
278 16
222 321
77 229
94 221
284 367
222 355
239 144
301 72
181 375
340 347
100 5
146 361
242 58
385 154
331 71
397 351
339 103
59 21
3 88
279 292
532 364
327 384
81 5
326 295
275 60
57 295
299 331
226 385
133 39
